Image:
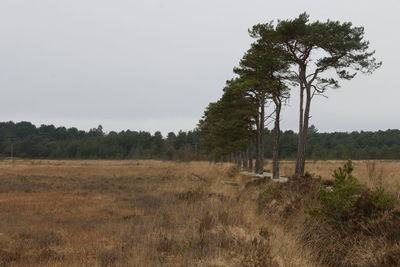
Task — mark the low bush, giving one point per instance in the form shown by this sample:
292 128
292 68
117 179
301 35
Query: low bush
191 195
382 201
347 199
270 193
233 171
338 201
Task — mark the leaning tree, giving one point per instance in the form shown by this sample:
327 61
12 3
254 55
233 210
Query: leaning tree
317 50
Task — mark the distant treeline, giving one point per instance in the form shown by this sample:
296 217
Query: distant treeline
48 141
340 145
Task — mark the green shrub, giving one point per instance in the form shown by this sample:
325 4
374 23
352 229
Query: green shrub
267 196
233 171
339 200
347 199
312 212
382 201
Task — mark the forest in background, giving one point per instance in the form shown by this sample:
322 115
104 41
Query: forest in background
50 142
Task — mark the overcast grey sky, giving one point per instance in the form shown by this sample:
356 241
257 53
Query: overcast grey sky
156 64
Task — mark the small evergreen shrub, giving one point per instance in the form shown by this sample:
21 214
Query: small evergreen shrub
382 201
233 171
347 199
339 200
267 196
312 212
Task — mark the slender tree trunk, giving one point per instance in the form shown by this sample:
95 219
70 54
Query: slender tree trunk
305 129
302 141
262 136
244 160
250 158
298 172
275 153
260 144
305 86
257 146
259 163
239 160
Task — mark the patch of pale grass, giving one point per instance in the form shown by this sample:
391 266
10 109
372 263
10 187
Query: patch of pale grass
373 173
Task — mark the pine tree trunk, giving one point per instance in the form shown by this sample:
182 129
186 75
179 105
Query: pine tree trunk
250 157
262 135
259 156
257 146
244 160
300 135
256 163
302 141
260 143
239 160
275 153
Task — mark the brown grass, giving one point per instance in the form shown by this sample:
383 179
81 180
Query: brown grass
364 242
149 213
371 172
126 213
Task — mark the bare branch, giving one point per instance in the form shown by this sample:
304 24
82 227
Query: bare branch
271 115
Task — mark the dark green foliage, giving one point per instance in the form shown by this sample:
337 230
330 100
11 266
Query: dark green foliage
382 201
348 200
48 141
315 50
340 145
226 126
339 201
270 193
312 212
326 45
233 171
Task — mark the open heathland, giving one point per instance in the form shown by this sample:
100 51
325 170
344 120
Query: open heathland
160 213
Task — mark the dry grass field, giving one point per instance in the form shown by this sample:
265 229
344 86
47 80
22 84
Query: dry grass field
149 213
371 172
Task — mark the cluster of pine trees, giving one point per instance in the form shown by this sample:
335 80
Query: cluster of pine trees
50 142
338 145
28 141
290 55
